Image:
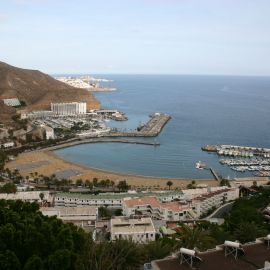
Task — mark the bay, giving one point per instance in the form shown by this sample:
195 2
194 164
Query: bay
204 110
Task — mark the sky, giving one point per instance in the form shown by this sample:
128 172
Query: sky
226 37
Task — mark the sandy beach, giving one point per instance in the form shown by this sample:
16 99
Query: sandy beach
56 164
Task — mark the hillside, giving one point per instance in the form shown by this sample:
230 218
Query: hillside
37 89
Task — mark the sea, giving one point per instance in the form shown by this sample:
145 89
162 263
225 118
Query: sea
204 110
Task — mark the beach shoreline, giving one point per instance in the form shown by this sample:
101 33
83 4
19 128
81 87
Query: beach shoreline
57 164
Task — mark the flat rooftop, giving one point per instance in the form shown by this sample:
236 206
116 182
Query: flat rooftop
71 213
111 196
124 225
154 202
255 256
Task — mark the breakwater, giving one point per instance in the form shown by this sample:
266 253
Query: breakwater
99 140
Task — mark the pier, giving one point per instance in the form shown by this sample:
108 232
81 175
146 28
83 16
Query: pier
151 129
216 176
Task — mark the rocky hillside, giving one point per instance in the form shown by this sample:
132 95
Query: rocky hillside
37 90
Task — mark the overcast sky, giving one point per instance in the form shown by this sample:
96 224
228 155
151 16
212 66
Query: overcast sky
137 36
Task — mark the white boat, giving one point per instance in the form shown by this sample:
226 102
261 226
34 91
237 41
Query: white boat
200 165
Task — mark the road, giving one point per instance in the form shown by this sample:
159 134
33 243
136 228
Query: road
220 212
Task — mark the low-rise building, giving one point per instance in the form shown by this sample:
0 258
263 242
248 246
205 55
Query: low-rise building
76 199
49 132
28 196
109 199
81 216
12 102
179 210
169 206
8 144
206 202
140 230
254 256
153 207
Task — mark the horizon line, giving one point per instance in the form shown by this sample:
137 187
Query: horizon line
152 74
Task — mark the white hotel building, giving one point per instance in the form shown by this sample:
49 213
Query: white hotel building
71 108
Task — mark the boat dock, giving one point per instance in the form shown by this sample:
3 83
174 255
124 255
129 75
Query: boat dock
216 176
243 158
236 150
151 129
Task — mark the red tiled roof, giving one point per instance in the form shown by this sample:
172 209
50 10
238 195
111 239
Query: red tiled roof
154 202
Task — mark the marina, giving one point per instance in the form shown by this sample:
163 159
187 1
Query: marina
252 165
236 150
243 158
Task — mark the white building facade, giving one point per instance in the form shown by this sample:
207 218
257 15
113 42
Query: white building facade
140 230
80 216
8 145
154 208
71 108
49 132
215 199
74 200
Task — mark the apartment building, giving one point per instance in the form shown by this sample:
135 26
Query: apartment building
110 199
153 207
80 216
170 206
179 210
27 196
76 200
12 102
206 202
140 230
8 145
49 132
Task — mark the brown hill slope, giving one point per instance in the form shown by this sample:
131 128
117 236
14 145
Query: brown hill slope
5 112
37 89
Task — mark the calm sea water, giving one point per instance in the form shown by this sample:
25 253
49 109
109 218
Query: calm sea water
204 110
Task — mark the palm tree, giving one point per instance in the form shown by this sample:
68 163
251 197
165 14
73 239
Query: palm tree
191 237
120 255
169 184
157 250
41 196
123 186
248 231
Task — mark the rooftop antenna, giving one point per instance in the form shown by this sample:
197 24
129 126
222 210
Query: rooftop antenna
233 248
188 256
